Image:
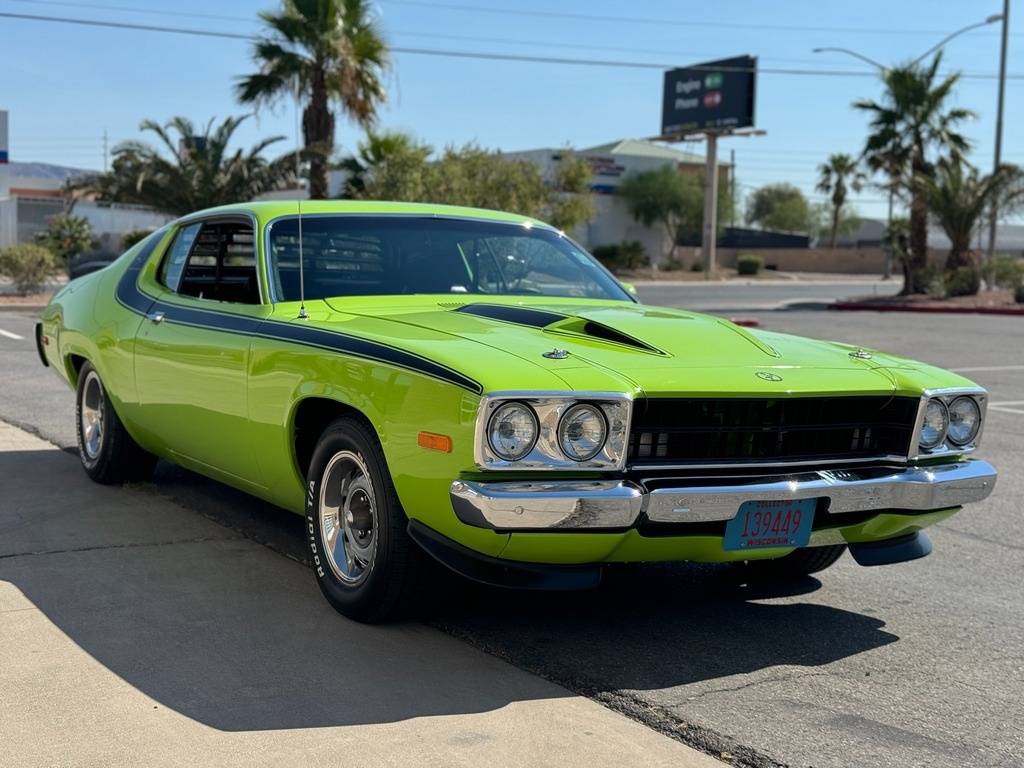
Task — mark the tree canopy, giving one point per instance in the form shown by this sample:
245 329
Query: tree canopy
324 52
395 166
191 168
780 207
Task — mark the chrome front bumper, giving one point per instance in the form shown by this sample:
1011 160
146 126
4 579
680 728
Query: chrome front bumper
617 504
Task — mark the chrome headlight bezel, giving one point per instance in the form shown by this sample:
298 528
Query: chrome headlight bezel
947 447
549 408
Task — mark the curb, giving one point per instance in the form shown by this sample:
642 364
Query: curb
32 308
864 306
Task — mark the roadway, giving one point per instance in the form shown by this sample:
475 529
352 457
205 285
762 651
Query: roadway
908 665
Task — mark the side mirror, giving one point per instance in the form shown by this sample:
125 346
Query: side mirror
630 289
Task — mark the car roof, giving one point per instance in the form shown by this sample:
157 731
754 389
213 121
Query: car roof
265 210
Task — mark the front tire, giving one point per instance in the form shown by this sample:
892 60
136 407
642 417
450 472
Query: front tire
364 561
108 453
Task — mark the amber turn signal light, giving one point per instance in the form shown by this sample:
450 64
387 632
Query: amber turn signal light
434 442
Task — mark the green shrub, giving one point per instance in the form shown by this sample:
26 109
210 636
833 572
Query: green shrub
748 264
930 280
1018 294
963 281
66 236
1005 271
131 237
625 255
633 254
697 266
28 266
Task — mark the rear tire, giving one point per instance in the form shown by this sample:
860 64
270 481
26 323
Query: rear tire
796 565
365 563
108 453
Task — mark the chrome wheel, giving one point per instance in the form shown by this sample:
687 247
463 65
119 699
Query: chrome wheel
348 517
91 416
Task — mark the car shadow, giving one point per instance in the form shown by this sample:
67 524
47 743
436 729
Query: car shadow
207 622
660 626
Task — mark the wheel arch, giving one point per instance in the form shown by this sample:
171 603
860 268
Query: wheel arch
310 417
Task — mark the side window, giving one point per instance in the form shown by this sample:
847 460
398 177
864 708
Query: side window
217 261
174 261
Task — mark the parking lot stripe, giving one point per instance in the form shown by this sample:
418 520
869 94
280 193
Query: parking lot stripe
977 368
10 335
1004 409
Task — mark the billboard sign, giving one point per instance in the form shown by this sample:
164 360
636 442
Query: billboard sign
715 95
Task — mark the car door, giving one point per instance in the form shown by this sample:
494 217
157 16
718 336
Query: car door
192 350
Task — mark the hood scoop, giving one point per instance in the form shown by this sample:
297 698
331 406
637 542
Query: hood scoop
556 322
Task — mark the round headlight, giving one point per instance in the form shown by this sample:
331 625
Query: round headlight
964 420
936 420
512 431
582 432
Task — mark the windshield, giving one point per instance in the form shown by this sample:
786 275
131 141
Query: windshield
350 255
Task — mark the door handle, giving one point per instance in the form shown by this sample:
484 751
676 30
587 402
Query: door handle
156 317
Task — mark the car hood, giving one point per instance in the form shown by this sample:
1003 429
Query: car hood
600 345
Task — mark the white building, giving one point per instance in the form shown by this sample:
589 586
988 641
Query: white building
30 193
612 222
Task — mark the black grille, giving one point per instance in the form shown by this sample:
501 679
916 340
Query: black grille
700 430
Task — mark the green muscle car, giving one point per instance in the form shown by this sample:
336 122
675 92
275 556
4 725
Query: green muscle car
434 383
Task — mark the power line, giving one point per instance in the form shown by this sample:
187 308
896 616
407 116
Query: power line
136 9
468 54
402 33
657 21
524 12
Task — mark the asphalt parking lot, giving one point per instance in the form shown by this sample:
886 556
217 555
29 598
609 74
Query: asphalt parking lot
907 665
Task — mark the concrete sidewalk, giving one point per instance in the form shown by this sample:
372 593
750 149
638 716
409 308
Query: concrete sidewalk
134 632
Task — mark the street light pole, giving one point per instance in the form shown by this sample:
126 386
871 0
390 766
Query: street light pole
1004 17
999 129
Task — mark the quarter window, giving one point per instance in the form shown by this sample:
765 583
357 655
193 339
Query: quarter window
215 261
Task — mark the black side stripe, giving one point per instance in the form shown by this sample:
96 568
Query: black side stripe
133 298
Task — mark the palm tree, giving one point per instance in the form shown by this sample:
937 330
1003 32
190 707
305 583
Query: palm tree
324 52
958 196
837 175
911 123
191 170
373 152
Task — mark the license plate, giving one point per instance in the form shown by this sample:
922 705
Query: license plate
761 524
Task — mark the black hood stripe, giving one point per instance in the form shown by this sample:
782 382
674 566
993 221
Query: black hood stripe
535 318
133 298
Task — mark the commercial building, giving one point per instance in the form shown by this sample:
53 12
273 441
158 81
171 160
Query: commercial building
612 222
30 193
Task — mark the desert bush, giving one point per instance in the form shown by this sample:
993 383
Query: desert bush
133 236
748 264
28 266
625 255
963 281
1005 271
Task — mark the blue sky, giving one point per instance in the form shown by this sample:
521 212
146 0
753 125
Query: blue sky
65 85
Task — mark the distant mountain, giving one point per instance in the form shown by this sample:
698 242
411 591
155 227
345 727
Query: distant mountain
47 171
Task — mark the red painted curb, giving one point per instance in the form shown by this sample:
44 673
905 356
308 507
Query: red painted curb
746 322
865 306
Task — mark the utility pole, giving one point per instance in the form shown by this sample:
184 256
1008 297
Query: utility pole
732 186
887 271
999 129
710 231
